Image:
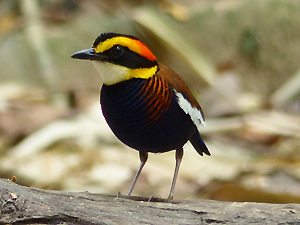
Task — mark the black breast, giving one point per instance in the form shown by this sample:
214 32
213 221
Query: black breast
144 114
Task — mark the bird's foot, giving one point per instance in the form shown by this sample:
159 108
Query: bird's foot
118 195
154 198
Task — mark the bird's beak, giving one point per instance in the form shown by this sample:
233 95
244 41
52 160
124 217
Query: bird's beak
88 54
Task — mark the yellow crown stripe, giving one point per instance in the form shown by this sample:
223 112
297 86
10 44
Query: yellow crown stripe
134 45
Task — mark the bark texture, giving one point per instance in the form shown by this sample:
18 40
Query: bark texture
26 205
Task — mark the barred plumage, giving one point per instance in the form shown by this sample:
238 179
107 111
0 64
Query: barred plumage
144 114
146 105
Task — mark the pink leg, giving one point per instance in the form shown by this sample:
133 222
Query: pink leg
143 158
179 155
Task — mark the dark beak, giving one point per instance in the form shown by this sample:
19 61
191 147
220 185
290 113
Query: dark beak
88 54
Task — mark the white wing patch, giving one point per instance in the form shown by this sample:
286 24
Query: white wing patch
193 112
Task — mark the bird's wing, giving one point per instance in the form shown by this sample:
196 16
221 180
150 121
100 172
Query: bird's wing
186 100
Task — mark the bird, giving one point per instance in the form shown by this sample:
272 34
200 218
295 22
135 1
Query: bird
147 105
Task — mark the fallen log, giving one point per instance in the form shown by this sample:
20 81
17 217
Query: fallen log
20 204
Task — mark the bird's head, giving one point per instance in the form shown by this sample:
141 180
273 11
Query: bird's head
120 57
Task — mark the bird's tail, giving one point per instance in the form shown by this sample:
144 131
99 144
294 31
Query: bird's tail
199 144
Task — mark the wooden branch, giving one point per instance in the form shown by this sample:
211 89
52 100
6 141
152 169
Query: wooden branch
28 205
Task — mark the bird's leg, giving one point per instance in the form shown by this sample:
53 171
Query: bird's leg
179 155
143 158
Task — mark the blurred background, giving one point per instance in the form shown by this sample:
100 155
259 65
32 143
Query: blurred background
240 58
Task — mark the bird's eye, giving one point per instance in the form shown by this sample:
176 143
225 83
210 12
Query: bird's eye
117 50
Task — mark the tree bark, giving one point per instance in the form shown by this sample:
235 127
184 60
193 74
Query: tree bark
26 205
